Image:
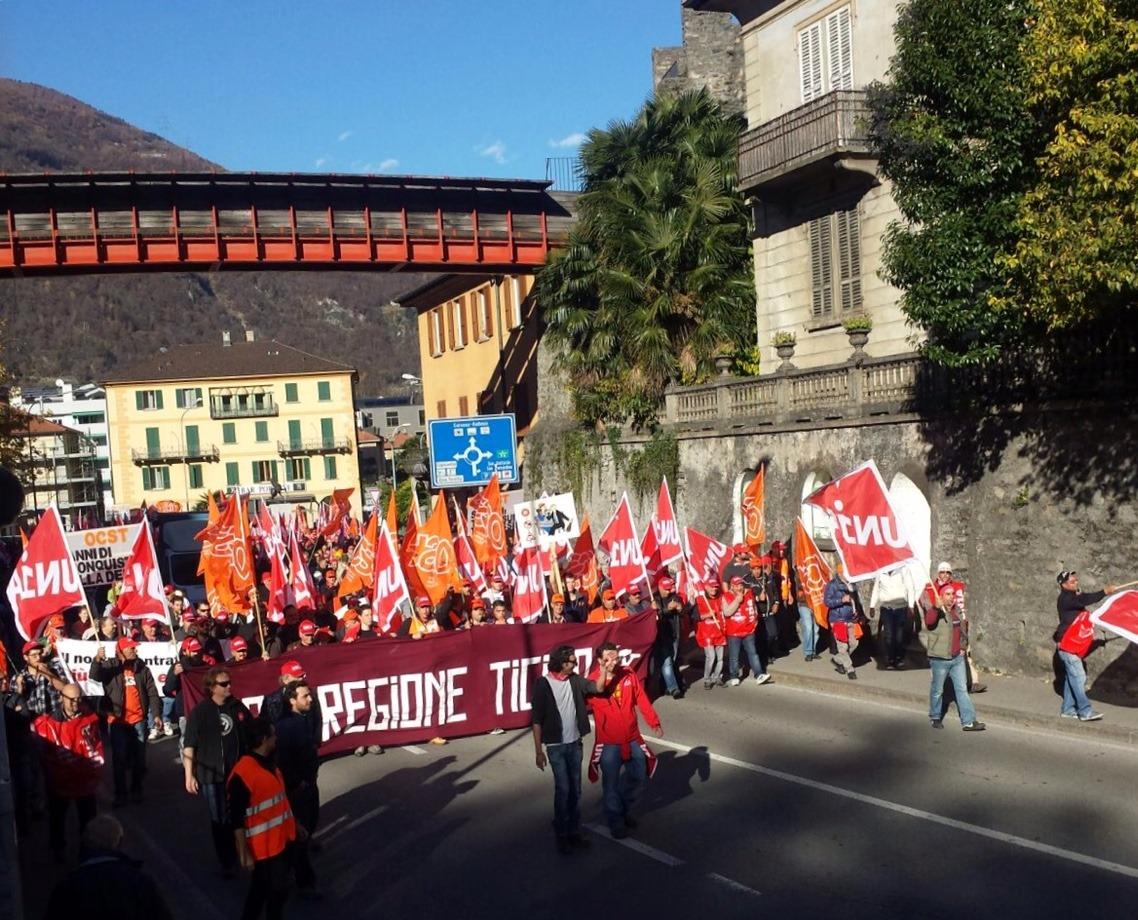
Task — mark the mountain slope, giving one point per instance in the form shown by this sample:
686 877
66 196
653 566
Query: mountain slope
80 328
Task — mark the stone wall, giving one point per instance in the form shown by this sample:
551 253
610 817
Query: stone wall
711 56
1013 498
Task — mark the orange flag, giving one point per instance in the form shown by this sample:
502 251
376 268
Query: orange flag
392 516
407 553
207 550
361 565
229 564
433 561
487 526
812 573
754 523
583 563
341 506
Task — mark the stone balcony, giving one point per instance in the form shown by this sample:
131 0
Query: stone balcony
825 132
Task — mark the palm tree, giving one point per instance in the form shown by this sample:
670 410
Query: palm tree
656 278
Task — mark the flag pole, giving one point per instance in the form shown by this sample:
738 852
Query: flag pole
242 521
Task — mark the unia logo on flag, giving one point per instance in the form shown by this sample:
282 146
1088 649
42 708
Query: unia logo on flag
619 541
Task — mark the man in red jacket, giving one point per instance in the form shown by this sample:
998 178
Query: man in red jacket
624 758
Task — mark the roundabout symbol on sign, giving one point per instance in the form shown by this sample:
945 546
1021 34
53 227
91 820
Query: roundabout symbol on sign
474 455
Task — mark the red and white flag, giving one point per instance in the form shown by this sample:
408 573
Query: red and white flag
468 566
1119 614
529 585
867 531
45 581
583 563
650 551
708 558
389 589
142 594
619 542
301 587
280 587
666 529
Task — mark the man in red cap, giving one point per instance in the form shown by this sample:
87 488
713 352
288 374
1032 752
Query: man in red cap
669 629
556 612
152 631
189 656
740 632
420 624
238 650
306 634
608 611
713 610
477 614
42 680
635 603
129 694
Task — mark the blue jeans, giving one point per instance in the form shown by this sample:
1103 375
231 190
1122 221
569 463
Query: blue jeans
622 781
565 761
893 622
1075 700
956 671
809 630
666 657
748 645
128 753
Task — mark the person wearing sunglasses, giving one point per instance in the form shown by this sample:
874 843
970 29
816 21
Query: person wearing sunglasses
214 742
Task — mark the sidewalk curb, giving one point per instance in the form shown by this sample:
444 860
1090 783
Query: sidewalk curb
1100 731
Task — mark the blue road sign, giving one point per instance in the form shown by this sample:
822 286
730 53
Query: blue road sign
469 451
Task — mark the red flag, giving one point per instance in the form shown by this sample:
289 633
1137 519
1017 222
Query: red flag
620 544
529 585
1119 614
432 558
361 565
468 564
280 590
583 563
390 587
754 521
487 526
650 550
666 529
867 531
45 581
1079 636
142 593
341 508
708 558
811 574
300 584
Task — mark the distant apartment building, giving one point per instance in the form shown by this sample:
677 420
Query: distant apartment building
710 57
386 416
805 163
255 417
57 465
82 408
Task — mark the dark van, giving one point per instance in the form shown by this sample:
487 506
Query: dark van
179 552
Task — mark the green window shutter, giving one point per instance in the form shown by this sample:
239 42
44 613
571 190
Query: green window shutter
327 434
290 393
193 445
163 476
229 433
147 479
256 471
138 397
198 401
232 476
153 442
158 399
276 472
262 431
179 399
195 475
307 468
324 391
329 467
294 438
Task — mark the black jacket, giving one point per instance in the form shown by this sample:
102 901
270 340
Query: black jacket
296 750
207 728
109 672
1070 604
107 886
543 707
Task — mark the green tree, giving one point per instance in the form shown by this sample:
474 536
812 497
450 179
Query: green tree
656 278
1076 258
953 132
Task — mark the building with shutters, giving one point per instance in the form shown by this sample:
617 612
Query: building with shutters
257 417
805 164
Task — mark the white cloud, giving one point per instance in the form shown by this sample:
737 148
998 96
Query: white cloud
389 163
495 151
344 135
576 139
320 161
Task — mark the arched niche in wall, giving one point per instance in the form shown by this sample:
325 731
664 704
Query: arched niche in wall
815 520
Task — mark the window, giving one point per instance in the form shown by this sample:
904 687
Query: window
90 418
458 322
517 295
324 391
264 470
290 393
147 399
188 397
153 443
829 261
329 467
103 463
229 433
327 432
463 406
232 476
193 442
422 416
196 476
825 55
298 468
262 431
441 409
391 419
435 327
99 440
155 478
484 315
295 441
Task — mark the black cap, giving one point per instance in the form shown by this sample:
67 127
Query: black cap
1063 576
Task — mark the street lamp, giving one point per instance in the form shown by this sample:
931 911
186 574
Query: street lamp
394 431
196 404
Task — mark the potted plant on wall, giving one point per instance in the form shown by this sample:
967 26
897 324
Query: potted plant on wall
784 342
857 329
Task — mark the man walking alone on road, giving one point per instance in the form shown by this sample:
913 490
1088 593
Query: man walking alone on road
1070 604
944 634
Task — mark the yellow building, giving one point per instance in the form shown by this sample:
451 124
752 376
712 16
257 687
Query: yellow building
245 416
478 338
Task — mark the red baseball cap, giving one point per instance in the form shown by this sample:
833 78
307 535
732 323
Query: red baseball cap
191 646
292 668
150 621
740 549
237 644
608 595
222 616
478 605
635 589
32 646
667 584
125 642
737 580
422 601
307 628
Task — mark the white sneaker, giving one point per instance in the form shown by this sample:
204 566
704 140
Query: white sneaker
733 682
154 734
762 678
168 730
497 731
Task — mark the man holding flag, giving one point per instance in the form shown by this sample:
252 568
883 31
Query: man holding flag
1074 636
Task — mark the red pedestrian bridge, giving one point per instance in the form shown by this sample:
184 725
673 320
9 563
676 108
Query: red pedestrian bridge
58 224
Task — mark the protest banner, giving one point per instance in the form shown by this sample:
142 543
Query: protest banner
77 656
557 522
403 691
44 580
100 553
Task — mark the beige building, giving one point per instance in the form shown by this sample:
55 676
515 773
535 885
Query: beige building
820 208
256 417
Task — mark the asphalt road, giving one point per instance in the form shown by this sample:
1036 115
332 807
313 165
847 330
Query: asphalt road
767 799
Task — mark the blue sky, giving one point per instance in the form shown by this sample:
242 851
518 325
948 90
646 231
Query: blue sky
447 87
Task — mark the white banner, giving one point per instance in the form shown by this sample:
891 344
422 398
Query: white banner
101 552
77 655
556 519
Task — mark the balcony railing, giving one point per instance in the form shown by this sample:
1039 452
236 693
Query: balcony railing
830 127
192 454
267 409
299 448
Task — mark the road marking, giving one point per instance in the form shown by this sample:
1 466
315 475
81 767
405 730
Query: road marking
731 883
327 827
362 819
642 848
978 830
412 749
